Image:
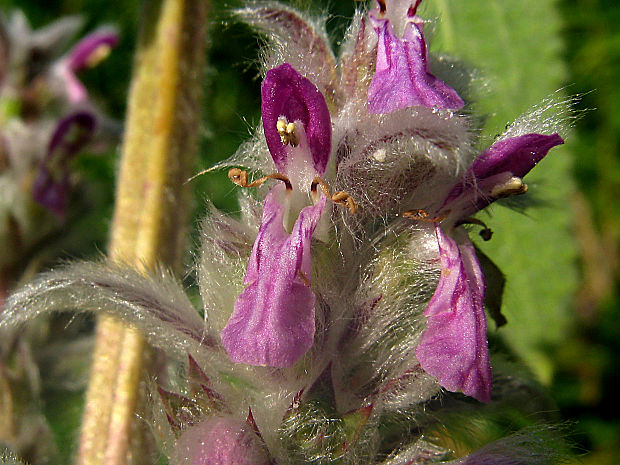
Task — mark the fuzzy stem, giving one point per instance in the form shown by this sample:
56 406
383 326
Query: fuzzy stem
151 206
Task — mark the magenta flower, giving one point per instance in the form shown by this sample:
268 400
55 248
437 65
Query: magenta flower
453 348
85 54
497 172
273 319
52 184
402 77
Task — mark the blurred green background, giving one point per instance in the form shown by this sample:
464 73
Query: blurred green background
561 259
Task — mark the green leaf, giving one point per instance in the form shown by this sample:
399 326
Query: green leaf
515 45
63 410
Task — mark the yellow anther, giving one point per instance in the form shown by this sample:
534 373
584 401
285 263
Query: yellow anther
98 55
281 126
514 186
286 131
341 197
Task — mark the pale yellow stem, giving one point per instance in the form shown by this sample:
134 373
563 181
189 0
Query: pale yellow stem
151 206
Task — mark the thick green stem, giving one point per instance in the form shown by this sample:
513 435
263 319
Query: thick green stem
151 207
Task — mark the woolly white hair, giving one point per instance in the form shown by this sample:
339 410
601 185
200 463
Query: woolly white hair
9 458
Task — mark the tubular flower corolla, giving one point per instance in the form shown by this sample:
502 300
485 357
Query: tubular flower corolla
453 348
273 319
85 54
52 185
402 77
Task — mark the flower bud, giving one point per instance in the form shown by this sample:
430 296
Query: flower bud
219 441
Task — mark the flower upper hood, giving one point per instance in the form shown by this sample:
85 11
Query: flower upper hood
289 98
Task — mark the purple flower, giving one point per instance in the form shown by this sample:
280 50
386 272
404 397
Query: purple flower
273 319
402 77
51 186
219 441
85 54
453 348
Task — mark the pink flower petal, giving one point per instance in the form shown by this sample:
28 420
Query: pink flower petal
273 320
515 156
402 76
518 155
453 347
82 54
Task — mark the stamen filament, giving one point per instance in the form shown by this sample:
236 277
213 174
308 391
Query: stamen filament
340 197
422 215
486 233
240 178
304 278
